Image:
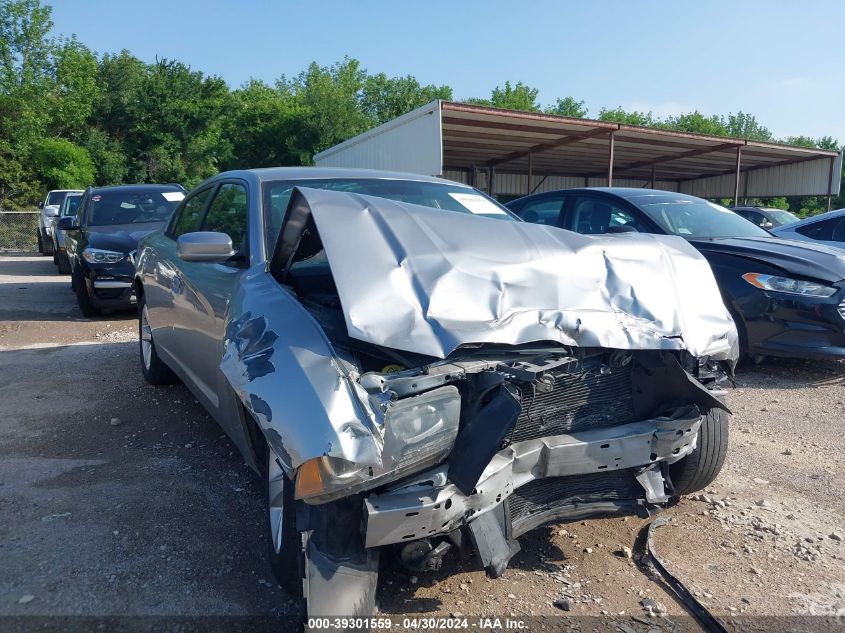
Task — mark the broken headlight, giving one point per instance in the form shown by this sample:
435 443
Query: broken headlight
419 432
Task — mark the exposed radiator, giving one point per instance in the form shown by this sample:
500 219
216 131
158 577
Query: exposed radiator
578 402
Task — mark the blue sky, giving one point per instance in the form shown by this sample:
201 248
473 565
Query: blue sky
782 61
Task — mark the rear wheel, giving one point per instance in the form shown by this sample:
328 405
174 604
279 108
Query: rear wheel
700 468
47 242
83 298
154 370
40 243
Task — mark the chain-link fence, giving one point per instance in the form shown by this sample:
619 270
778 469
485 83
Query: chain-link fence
19 231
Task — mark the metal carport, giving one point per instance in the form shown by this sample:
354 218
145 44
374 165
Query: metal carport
511 153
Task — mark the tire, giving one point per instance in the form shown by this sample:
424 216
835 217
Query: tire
285 542
700 468
48 246
55 256
82 297
154 369
40 243
63 263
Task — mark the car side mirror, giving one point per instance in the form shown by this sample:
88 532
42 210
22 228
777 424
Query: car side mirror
204 246
767 225
68 223
51 211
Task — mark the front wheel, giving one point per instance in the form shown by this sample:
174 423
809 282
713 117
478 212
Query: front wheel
700 468
154 370
83 298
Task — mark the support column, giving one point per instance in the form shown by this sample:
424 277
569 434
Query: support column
610 160
530 172
654 175
830 183
738 167
490 181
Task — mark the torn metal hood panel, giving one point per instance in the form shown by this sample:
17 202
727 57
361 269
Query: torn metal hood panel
428 280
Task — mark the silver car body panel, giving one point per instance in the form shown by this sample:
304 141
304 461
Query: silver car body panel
429 281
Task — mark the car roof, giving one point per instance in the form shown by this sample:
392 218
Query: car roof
626 193
140 188
266 174
836 213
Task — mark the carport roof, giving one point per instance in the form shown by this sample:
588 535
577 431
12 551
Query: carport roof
481 136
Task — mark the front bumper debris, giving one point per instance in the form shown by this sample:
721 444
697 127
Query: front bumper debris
431 506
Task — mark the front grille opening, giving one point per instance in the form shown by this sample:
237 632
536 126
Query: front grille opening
548 496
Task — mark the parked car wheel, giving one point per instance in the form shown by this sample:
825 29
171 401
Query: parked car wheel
40 243
154 370
63 263
55 256
285 551
48 246
699 469
80 288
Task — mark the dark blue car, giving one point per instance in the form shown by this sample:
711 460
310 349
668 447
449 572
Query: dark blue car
787 297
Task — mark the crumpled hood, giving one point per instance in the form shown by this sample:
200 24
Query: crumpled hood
122 238
428 281
813 261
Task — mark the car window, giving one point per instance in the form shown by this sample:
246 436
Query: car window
228 214
821 230
191 212
595 216
131 206
543 211
55 197
70 205
753 216
691 217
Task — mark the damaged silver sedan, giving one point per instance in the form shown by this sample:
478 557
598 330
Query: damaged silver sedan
411 367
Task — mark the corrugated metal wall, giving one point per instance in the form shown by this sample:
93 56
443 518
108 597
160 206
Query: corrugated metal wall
411 143
806 178
513 184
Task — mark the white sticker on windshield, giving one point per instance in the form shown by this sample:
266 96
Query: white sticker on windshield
719 207
173 196
478 204
127 205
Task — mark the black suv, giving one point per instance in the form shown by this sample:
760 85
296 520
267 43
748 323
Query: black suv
103 237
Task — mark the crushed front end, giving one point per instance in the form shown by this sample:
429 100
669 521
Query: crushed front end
519 438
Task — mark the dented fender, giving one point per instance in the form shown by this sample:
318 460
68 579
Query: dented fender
283 369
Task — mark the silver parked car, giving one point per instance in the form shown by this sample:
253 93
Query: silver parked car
68 208
825 228
48 217
408 364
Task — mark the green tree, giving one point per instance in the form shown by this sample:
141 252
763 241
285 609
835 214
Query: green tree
384 98
696 123
618 115
742 125
75 89
568 106
63 165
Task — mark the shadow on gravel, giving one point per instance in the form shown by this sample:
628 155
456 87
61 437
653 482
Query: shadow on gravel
791 373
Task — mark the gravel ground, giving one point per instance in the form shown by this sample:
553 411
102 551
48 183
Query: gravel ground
118 498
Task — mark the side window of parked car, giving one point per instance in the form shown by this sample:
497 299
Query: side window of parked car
753 216
821 230
228 214
594 216
189 214
544 211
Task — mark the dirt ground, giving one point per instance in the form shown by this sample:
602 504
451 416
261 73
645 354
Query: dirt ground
118 498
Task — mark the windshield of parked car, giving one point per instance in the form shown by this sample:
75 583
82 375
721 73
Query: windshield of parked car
55 198
780 217
428 194
131 207
696 218
71 204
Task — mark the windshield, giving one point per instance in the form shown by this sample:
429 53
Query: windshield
696 218
55 198
132 207
437 195
71 204
780 217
